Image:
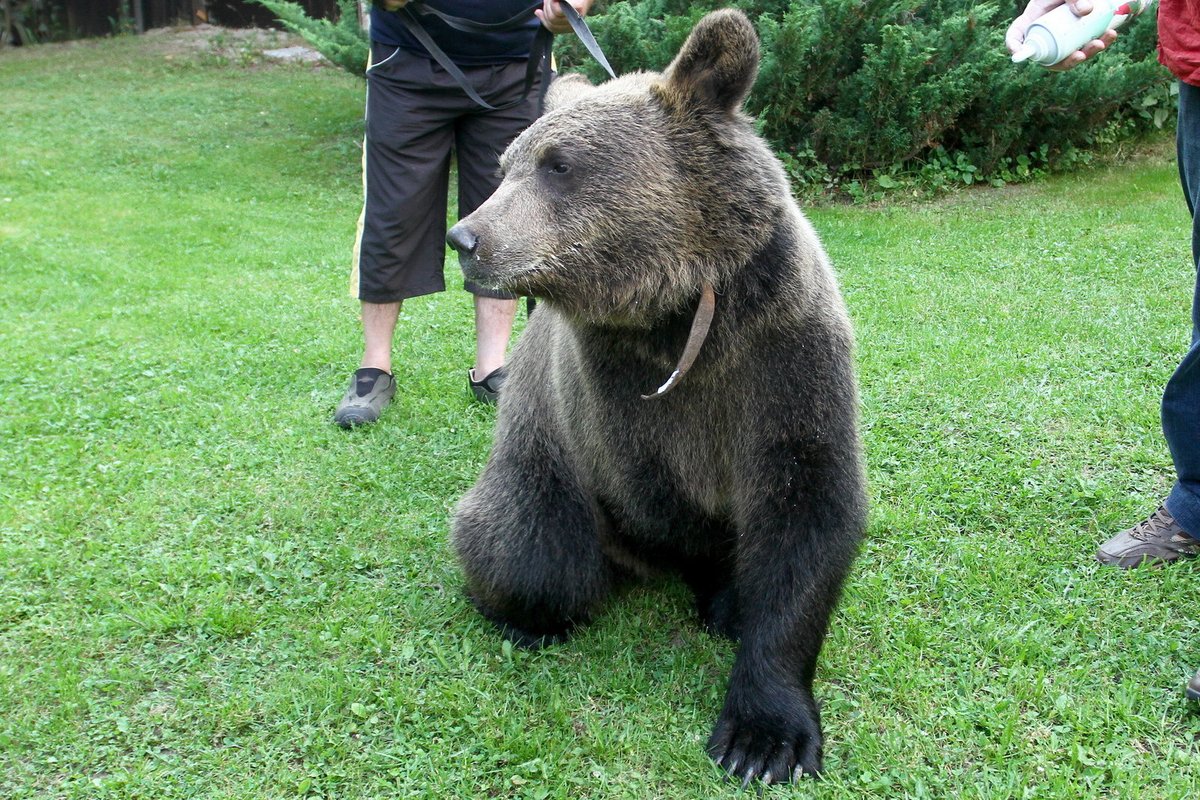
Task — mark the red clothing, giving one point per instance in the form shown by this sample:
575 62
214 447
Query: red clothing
1179 38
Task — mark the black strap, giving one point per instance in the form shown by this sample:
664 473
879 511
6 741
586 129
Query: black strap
539 54
516 21
473 26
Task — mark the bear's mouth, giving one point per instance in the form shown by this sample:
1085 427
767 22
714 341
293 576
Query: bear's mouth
484 272
472 270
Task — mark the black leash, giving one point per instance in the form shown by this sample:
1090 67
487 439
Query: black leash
539 53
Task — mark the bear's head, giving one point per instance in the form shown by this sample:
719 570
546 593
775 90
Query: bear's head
625 198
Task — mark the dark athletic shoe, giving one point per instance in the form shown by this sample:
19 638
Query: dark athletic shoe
370 391
1193 687
488 389
1155 540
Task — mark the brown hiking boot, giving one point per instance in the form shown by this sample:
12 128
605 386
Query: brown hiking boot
1155 540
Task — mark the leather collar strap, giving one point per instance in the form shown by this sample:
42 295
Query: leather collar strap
539 53
700 325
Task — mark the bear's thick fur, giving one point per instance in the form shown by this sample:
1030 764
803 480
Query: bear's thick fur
617 209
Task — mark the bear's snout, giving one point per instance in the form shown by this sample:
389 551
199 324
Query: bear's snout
474 264
464 240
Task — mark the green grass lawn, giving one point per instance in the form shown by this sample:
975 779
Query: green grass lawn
208 590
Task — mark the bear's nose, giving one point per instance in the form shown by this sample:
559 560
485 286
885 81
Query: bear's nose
463 239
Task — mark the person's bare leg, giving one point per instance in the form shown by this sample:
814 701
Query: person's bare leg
369 394
379 325
493 327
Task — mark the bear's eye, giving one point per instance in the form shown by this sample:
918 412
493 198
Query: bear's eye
560 168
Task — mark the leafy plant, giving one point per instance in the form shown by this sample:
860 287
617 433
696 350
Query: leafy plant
870 88
342 41
25 21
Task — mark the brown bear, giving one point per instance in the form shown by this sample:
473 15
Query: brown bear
651 221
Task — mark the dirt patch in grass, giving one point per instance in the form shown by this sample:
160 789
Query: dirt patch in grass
237 45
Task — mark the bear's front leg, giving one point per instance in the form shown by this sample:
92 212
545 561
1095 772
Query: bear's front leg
799 527
527 538
769 729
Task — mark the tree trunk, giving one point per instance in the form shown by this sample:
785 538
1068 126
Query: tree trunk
8 32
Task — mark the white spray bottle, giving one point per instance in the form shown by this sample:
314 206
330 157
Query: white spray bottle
1059 32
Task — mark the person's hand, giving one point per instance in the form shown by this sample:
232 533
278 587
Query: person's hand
393 5
553 17
1036 8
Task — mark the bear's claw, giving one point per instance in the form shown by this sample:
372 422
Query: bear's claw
752 753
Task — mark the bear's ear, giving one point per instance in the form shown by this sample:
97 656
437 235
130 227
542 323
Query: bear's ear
718 63
566 89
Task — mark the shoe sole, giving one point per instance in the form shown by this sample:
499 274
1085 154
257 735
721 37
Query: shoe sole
348 421
1149 562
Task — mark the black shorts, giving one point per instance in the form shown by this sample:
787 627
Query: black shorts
416 115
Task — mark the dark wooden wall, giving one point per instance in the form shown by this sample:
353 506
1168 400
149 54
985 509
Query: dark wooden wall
69 19
242 14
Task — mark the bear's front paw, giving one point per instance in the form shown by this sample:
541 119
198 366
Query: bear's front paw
767 746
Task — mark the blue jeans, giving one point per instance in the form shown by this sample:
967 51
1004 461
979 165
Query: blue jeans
1181 400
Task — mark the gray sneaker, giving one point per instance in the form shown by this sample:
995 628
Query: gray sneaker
488 389
1155 540
370 391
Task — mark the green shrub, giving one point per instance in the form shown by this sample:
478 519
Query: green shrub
902 91
869 95
343 41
